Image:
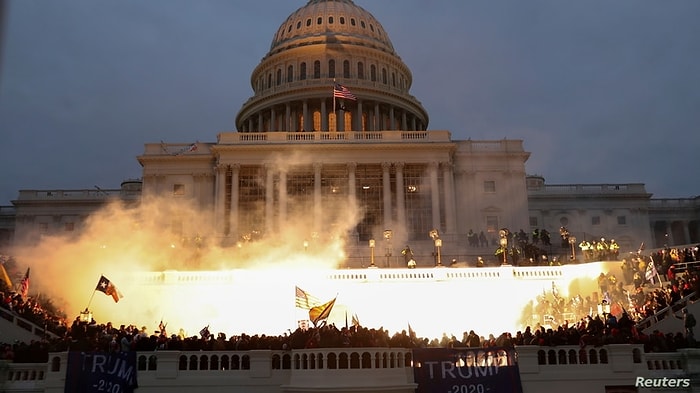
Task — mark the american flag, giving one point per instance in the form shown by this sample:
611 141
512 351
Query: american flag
304 300
340 91
24 285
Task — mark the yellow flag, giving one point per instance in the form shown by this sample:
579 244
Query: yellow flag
319 313
4 277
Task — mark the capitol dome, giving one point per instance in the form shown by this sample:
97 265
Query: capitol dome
320 44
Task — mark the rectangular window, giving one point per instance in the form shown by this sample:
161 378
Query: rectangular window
621 220
533 222
44 227
178 189
69 227
491 224
489 186
595 220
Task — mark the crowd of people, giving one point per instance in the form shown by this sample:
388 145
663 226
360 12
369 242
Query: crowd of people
574 321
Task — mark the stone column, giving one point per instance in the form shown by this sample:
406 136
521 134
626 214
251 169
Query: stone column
404 124
305 113
317 196
357 119
273 120
261 123
434 193
449 191
324 116
287 118
352 184
233 218
377 118
269 197
392 123
219 203
282 200
400 197
386 193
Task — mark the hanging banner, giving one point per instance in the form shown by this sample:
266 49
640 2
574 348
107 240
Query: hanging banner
92 372
466 370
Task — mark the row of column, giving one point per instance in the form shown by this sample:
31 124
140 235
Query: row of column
289 124
433 167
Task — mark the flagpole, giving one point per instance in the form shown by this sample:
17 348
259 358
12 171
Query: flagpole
334 97
90 301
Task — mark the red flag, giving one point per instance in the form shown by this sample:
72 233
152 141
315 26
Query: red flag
321 313
24 285
106 286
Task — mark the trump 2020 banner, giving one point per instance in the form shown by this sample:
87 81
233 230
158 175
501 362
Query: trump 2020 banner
101 372
466 370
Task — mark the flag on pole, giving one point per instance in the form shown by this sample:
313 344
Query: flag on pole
24 285
340 91
105 286
320 313
205 332
161 327
651 271
5 277
355 320
304 300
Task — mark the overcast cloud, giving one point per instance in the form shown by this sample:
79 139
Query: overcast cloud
600 91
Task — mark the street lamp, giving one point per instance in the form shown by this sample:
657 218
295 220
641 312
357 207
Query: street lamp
438 244
435 235
503 234
371 253
388 234
572 241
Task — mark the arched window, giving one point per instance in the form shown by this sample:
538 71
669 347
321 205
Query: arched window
354 360
331 68
352 21
360 70
593 356
302 71
342 20
290 74
269 80
384 76
279 77
308 22
373 73
562 356
330 20
393 79
346 69
317 69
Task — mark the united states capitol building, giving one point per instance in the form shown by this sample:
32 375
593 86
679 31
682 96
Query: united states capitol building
299 153
333 141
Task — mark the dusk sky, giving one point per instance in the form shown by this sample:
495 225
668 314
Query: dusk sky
599 91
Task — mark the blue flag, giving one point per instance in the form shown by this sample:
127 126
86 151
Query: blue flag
93 372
